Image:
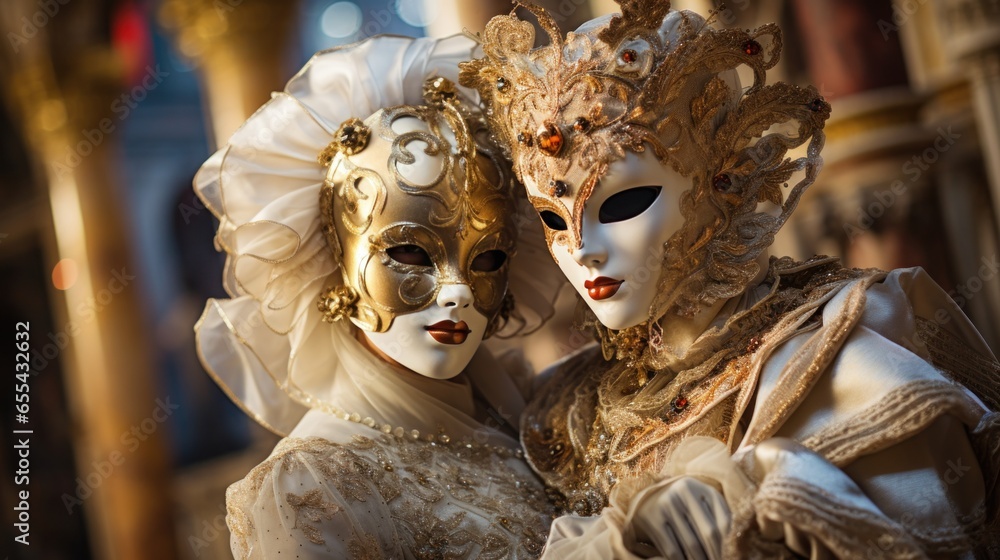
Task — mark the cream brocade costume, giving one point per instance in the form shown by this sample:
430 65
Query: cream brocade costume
378 462
849 363
882 380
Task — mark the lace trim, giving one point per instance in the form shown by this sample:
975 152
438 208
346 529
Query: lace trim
986 444
981 374
847 531
901 413
415 482
745 540
904 412
311 509
804 369
241 495
363 546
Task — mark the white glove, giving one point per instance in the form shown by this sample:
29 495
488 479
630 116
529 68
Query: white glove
777 454
686 519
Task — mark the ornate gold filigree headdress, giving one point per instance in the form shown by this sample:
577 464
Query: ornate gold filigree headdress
663 80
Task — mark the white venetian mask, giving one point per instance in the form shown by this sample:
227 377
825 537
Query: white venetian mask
626 220
437 341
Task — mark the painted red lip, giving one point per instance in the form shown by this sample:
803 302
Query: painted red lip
602 287
449 332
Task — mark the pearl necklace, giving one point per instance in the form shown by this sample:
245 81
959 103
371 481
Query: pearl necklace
441 439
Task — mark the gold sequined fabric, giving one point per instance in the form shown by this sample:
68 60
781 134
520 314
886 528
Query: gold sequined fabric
381 496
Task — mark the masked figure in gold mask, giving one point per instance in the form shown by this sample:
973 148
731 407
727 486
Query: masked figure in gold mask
737 405
371 230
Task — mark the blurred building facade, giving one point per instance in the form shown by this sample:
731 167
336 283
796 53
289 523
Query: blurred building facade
110 106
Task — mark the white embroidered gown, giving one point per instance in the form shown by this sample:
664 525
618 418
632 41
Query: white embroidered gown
356 476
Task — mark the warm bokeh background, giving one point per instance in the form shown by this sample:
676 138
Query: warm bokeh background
109 107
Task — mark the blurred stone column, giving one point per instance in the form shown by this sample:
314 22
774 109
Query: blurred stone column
241 49
63 90
961 178
701 7
971 32
473 16
873 203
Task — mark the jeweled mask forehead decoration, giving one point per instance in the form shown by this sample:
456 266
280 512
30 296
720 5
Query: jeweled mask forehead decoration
422 176
652 78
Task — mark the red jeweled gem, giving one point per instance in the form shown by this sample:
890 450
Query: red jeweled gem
752 47
680 403
629 56
550 139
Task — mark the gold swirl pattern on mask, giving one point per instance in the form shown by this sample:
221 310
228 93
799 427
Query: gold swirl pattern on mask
459 202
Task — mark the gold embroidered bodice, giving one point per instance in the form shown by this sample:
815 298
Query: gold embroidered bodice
383 496
597 422
877 376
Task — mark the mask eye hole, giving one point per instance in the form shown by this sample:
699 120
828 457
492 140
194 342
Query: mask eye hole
627 204
409 254
553 220
489 261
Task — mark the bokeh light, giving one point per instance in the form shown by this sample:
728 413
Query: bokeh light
65 274
417 13
341 19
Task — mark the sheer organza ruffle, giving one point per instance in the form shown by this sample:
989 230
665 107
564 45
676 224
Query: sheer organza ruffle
267 346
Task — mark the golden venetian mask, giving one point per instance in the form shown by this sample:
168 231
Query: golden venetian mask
413 201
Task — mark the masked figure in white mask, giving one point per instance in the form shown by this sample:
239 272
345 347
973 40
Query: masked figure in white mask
371 233
737 405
